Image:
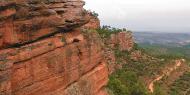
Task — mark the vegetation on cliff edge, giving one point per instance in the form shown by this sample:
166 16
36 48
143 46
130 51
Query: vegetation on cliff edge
134 76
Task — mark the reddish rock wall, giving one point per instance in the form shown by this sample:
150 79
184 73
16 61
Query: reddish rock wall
94 23
24 21
54 66
45 52
122 40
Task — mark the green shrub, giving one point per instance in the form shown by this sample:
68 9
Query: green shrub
181 86
158 90
126 83
117 87
95 14
106 31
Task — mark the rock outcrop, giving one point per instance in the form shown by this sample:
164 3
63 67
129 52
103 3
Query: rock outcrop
122 41
24 21
94 23
44 50
48 47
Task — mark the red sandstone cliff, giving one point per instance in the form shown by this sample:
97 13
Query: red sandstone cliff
44 52
44 49
122 41
25 21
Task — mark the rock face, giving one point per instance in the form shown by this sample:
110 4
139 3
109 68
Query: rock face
45 49
45 52
24 21
122 40
54 66
94 23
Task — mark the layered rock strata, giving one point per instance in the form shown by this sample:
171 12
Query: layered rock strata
44 50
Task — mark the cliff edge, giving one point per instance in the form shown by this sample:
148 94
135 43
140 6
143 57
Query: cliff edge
52 47
44 50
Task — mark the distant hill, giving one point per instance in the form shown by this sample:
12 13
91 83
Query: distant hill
166 39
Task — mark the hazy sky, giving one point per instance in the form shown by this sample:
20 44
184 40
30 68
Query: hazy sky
144 15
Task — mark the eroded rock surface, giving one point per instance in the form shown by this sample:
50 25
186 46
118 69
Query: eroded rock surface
122 40
24 21
55 66
44 50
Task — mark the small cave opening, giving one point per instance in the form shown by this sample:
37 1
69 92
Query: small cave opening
60 12
76 40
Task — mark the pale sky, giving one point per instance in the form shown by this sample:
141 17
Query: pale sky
143 15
